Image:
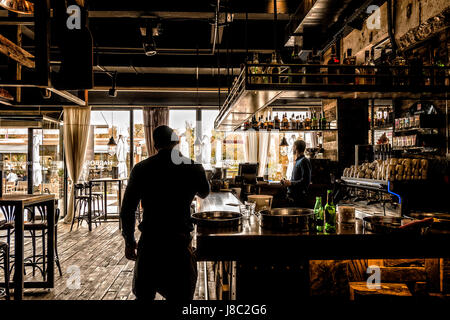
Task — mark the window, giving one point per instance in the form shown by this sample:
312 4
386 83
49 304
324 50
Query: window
47 165
140 148
232 152
104 125
210 140
183 122
14 153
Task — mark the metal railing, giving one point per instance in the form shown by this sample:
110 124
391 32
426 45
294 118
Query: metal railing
387 76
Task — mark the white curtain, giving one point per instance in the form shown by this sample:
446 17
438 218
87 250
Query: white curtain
76 132
37 169
122 150
206 150
263 151
290 155
219 152
251 146
184 146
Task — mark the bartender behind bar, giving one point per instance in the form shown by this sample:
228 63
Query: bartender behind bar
166 184
297 187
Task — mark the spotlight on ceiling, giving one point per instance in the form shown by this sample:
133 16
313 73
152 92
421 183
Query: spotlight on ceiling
149 34
113 92
150 47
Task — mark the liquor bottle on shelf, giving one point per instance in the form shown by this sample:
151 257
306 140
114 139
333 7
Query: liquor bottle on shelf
365 71
260 123
270 123
332 72
255 70
399 72
349 71
307 122
292 122
254 123
298 123
277 122
266 123
330 214
318 212
371 71
285 125
246 125
323 121
274 71
295 59
314 122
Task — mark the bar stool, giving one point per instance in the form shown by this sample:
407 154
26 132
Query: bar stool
38 228
97 204
4 257
7 218
81 207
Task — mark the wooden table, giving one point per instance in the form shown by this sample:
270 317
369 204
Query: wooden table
105 182
20 202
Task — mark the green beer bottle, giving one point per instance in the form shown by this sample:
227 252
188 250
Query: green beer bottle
330 214
318 212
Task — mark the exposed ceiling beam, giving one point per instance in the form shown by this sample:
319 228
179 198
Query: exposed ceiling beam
168 15
182 15
16 53
69 96
161 89
28 32
169 70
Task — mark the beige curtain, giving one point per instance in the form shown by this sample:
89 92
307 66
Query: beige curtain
153 117
251 146
77 122
263 151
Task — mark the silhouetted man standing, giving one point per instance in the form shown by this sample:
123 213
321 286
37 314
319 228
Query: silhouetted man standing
166 184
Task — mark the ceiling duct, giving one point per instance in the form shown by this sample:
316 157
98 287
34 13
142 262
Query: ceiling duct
315 19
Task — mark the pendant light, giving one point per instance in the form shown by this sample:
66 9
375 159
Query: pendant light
18 6
112 145
284 146
198 129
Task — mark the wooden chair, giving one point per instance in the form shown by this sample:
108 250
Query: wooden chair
22 186
10 187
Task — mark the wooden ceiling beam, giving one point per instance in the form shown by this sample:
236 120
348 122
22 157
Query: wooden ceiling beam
16 53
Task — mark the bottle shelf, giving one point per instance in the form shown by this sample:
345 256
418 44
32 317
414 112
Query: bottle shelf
385 127
427 131
418 149
287 131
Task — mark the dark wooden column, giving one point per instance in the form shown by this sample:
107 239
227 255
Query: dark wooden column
353 124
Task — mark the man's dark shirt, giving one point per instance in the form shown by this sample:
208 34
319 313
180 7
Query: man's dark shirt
166 190
300 179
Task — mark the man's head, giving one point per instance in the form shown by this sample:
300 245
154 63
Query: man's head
299 147
164 138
